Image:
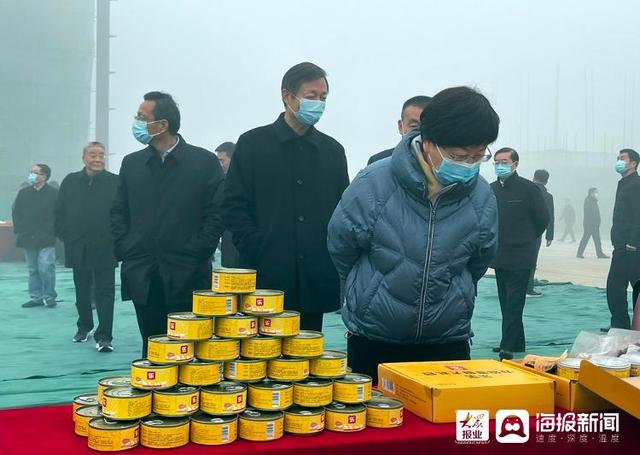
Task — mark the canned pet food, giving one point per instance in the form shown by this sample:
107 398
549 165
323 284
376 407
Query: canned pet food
569 368
263 301
634 359
618 367
237 281
237 326
218 349
285 324
111 436
261 347
213 430
111 382
375 393
224 398
384 413
332 364
245 370
163 350
209 303
257 425
345 418
305 344
313 392
82 416
270 396
288 369
158 432
146 375
303 421
176 402
124 403
188 326
352 388
88 399
199 373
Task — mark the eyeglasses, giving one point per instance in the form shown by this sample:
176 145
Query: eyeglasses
467 158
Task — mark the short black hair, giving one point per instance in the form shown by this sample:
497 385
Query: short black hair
226 147
46 170
541 175
165 109
301 73
459 117
592 190
417 101
513 154
632 154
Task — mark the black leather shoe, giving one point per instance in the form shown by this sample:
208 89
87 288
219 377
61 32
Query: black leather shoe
496 349
506 355
33 303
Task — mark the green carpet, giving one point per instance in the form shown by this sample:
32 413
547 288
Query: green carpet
41 365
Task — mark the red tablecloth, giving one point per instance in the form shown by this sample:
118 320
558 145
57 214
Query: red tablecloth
49 430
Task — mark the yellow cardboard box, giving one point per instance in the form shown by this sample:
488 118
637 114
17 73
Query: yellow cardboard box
623 392
570 395
436 390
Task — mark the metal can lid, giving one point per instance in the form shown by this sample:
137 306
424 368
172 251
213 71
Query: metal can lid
233 271
177 390
225 387
314 382
247 361
236 316
572 363
284 315
163 422
217 339
354 378
200 363
115 381
89 411
210 293
384 403
267 292
89 398
102 423
632 357
270 385
345 408
187 316
261 339
166 340
144 363
307 334
268 416
375 393
300 411
289 360
201 417
330 355
611 363
126 392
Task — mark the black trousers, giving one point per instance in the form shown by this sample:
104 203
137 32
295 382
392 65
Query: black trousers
512 290
364 354
311 321
588 233
624 270
95 284
568 231
532 275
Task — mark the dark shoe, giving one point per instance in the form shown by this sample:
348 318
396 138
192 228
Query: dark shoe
534 293
506 355
104 346
605 329
51 303
80 337
579 256
603 256
496 349
33 303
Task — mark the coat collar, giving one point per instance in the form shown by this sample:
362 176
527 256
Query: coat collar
177 153
284 133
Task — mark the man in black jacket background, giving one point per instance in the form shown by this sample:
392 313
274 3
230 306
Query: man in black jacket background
591 225
540 179
164 219
83 224
523 216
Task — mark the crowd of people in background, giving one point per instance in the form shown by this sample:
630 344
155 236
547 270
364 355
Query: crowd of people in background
399 250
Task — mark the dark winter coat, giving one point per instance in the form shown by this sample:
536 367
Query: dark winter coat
625 229
591 220
33 217
548 199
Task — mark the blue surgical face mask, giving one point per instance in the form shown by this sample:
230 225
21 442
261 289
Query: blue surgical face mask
621 166
309 112
141 132
450 171
32 178
503 170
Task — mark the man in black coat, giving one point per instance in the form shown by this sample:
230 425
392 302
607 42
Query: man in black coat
591 225
568 215
284 182
523 216
625 237
33 221
83 224
541 178
164 219
228 253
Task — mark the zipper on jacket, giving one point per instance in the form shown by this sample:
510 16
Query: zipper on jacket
427 264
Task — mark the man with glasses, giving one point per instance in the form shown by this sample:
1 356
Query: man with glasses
413 234
33 224
523 216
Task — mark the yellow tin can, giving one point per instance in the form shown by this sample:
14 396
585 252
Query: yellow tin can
332 364
158 432
616 366
163 350
237 326
245 370
82 417
237 281
123 403
304 421
218 349
261 347
257 425
306 344
146 375
224 398
263 301
345 418
270 396
213 430
313 392
189 326
375 393
634 359
111 436
111 382
200 373
176 402
86 399
209 303
352 388
288 369
285 324
384 413
569 368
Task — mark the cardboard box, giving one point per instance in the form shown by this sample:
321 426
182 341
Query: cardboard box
570 395
623 392
436 390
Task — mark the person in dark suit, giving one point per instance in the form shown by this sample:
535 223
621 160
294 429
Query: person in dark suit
165 221
83 224
568 215
541 178
228 253
591 225
283 184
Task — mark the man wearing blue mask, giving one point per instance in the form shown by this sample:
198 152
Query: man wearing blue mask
523 216
413 234
283 183
625 237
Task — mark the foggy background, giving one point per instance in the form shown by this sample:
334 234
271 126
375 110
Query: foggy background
563 76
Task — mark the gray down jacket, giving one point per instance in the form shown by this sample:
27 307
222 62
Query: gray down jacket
411 266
